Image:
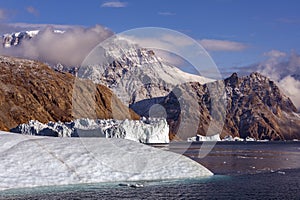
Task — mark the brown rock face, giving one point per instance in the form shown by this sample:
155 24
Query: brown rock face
252 106
32 90
257 108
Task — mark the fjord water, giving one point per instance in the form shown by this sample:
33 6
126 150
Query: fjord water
235 158
251 170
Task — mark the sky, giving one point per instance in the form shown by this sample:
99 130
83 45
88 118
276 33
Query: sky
235 32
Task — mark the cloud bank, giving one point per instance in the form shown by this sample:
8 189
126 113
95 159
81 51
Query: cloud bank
166 13
285 70
69 48
2 14
222 45
114 4
32 10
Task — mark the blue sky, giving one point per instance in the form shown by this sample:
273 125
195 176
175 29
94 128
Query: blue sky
236 33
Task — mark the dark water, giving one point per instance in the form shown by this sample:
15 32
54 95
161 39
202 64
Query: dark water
235 158
250 170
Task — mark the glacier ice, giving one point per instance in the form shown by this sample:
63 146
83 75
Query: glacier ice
29 161
204 138
151 130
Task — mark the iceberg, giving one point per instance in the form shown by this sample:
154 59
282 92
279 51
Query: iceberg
151 130
200 138
231 139
29 161
250 139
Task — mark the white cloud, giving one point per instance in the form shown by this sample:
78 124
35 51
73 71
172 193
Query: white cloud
163 46
178 39
3 15
114 4
222 45
291 87
69 48
275 54
163 42
284 69
166 13
32 10
27 26
286 20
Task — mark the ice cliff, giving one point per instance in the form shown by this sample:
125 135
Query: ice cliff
149 130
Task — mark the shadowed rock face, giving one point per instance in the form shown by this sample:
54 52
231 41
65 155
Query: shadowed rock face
253 104
257 108
32 90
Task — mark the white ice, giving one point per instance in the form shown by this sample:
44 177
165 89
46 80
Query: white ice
204 138
230 138
152 130
29 161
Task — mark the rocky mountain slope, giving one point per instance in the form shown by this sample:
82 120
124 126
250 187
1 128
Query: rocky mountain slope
254 107
132 72
31 90
257 108
14 39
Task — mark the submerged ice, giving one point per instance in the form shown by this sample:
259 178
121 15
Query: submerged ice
29 161
150 130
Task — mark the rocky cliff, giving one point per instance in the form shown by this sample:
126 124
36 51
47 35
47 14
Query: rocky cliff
253 106
31 90
257 108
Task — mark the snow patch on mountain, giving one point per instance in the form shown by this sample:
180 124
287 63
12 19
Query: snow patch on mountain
14 39
149 130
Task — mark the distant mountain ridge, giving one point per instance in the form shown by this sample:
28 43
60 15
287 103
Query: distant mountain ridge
255 106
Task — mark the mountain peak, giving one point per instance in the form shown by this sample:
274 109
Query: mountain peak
134 73
258 77
234 75
233 80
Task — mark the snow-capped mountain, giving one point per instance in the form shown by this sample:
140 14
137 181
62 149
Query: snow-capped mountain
14 39
132 72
